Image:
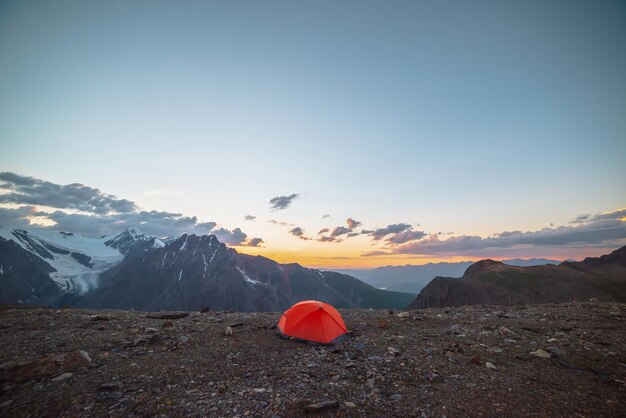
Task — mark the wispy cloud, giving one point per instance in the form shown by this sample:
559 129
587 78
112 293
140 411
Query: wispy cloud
322 231
601 230
352 223
298 232
282 202
80 208
249 218
31 191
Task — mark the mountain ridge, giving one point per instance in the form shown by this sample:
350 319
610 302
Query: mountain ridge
131 270
492 282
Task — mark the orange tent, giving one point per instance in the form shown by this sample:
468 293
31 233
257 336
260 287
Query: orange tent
311 320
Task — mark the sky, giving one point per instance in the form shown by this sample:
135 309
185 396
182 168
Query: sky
431 130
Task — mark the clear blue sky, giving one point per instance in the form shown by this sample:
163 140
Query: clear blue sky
467 117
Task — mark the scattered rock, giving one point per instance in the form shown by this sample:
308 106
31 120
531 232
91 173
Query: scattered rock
375 358
396 397
321 406
490 366
540 353
110 386
349 404
403 315
476 360
50 364
170 315
228 331
62 377
151 330
167 324
99 318
393 351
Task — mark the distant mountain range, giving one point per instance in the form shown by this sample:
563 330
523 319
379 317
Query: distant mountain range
412 278
133 271
493 282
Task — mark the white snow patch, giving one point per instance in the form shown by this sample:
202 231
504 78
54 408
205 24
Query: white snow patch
1 270
248 279
182 247
70 275
214 252
180 275
205 265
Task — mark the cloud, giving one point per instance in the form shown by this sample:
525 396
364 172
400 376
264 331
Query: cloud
352 223
150 222
280 223
405 236
323 231
380 233
282 202
325 216
255 242
324 238
376 253
352 234
607 230
32 191
18 216
340 230
298 232
249 218
97 213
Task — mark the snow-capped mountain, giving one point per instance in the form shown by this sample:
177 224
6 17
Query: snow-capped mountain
132 270
76 261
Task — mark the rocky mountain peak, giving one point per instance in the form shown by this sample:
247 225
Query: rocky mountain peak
481 266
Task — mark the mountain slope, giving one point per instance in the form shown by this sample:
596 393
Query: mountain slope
412 278
196 272
493 282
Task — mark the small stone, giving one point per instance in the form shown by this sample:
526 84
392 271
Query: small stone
110 386
393 351
183 339
350 404
62 377
375 358
259 390
403 315
311 365
228 331
167 324
396 397
555 351
476 360
370 384
490 366
320 406
99 318
540 353
151 330
449 354
335 378
593 300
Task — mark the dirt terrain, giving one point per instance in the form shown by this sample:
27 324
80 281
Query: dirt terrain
553 360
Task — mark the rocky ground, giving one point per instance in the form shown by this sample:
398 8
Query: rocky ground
545 360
